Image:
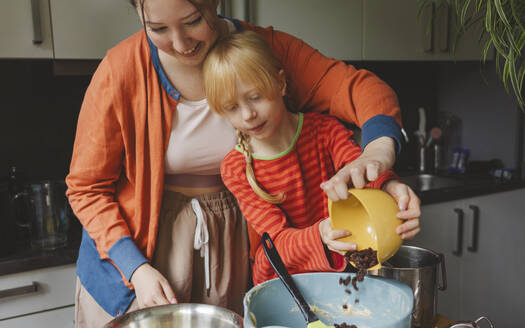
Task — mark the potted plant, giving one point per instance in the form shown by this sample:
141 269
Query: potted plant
503 28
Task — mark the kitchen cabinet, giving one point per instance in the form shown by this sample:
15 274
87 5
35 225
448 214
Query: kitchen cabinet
81 29
26 29
38 298
392 30
334 27
59 318
482 240
87 29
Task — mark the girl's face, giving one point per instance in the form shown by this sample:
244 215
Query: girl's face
255 114
178 29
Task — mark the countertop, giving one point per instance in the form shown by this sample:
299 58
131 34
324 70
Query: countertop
466 187
28 259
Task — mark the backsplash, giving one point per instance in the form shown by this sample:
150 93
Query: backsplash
39 114
40 111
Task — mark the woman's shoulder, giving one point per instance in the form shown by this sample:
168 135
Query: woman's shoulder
128 55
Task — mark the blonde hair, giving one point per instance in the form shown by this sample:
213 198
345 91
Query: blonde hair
245 56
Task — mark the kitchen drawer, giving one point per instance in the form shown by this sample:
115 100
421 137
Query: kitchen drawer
59 318
55 287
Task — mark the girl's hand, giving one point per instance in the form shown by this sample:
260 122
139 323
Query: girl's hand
409 208
378 156
329 236
151 287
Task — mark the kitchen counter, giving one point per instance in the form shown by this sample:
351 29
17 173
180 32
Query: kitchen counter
464 187
29 259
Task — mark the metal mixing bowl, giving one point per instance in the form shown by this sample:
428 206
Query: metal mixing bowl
179 315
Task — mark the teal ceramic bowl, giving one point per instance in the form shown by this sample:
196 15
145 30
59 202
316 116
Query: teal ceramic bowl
382 302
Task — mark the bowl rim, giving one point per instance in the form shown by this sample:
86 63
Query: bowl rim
405 289
122 319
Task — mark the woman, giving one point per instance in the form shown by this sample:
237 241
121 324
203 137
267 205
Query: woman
144 178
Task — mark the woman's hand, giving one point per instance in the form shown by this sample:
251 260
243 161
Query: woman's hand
151 287
330 236
409 208
378 156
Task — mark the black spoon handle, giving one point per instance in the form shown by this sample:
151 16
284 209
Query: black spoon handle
275 260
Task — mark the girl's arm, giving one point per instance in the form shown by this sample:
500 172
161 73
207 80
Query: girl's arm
301 249
340 145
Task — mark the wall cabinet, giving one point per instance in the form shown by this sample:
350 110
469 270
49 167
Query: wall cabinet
334 27
39 298
343 29
26 29
392 30
482 240
81 29
87 29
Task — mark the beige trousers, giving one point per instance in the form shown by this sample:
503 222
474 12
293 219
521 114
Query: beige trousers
181 219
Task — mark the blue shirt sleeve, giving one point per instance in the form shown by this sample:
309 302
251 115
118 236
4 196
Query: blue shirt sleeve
126 256
381 126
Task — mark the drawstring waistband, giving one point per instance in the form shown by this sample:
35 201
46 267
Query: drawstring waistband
201 241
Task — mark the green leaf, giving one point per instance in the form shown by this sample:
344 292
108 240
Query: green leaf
501 13
466 5
518 11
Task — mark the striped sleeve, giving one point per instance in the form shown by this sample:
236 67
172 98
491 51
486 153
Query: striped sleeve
344 150
301 249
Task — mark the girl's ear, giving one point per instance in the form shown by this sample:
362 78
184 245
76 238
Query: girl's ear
282 82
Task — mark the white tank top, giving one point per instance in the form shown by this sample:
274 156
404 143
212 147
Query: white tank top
199 139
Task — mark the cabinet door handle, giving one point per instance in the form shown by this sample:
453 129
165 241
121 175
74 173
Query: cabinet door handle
33 288
475 229
249 11
459 237
226 8
443 26
426 14
37 25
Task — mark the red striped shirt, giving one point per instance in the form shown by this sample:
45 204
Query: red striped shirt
323 147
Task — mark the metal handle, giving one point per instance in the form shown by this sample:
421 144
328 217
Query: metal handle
33 288
443 285
442 16
16 199
226 8
475 229
459 237
427 15
278 266
484 318
249 11
37 25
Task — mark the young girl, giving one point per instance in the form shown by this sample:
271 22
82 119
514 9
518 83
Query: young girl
282 158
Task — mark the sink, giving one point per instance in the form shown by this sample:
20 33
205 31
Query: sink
423 182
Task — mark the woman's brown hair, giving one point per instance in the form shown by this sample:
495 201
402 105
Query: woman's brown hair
200 5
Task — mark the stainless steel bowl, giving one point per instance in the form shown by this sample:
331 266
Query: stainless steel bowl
179 315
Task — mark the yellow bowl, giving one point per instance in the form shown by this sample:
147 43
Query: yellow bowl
370 215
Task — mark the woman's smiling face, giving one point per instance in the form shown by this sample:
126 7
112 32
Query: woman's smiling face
179 29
